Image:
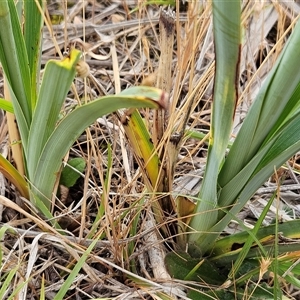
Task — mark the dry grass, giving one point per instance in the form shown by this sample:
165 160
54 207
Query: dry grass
122 49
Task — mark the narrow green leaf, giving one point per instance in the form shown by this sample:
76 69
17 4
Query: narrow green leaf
6 105
293 280
70 280
45 210
254 253
242 255
229 193
272 105
226 244
17 288
7 282
13 57
23 126
227 35
291 110
283 144
33 36
56 83
42 291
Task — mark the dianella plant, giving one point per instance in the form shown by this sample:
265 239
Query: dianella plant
42 137
268 137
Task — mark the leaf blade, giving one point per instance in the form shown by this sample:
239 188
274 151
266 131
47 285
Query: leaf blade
13 57
56 83
272 100
227 35
70 128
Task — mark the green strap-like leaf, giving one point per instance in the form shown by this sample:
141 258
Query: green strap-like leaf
271 107
224 245
56 83
6 105
282 148
14 60
226 23
269 136
33 36
23 126
70 128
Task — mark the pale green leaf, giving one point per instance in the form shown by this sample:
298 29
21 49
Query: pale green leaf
56 83
227 35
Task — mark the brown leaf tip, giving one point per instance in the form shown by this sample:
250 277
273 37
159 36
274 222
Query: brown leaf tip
167 19
164 100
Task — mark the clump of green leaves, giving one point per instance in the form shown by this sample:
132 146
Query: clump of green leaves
269 136
44 137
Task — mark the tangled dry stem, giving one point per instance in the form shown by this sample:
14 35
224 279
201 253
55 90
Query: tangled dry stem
122 49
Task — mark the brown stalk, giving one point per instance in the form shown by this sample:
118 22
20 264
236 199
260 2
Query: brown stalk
164 76
14 136
161 117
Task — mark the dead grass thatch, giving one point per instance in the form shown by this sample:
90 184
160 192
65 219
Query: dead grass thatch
120 40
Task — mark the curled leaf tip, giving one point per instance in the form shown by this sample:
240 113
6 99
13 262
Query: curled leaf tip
163 101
